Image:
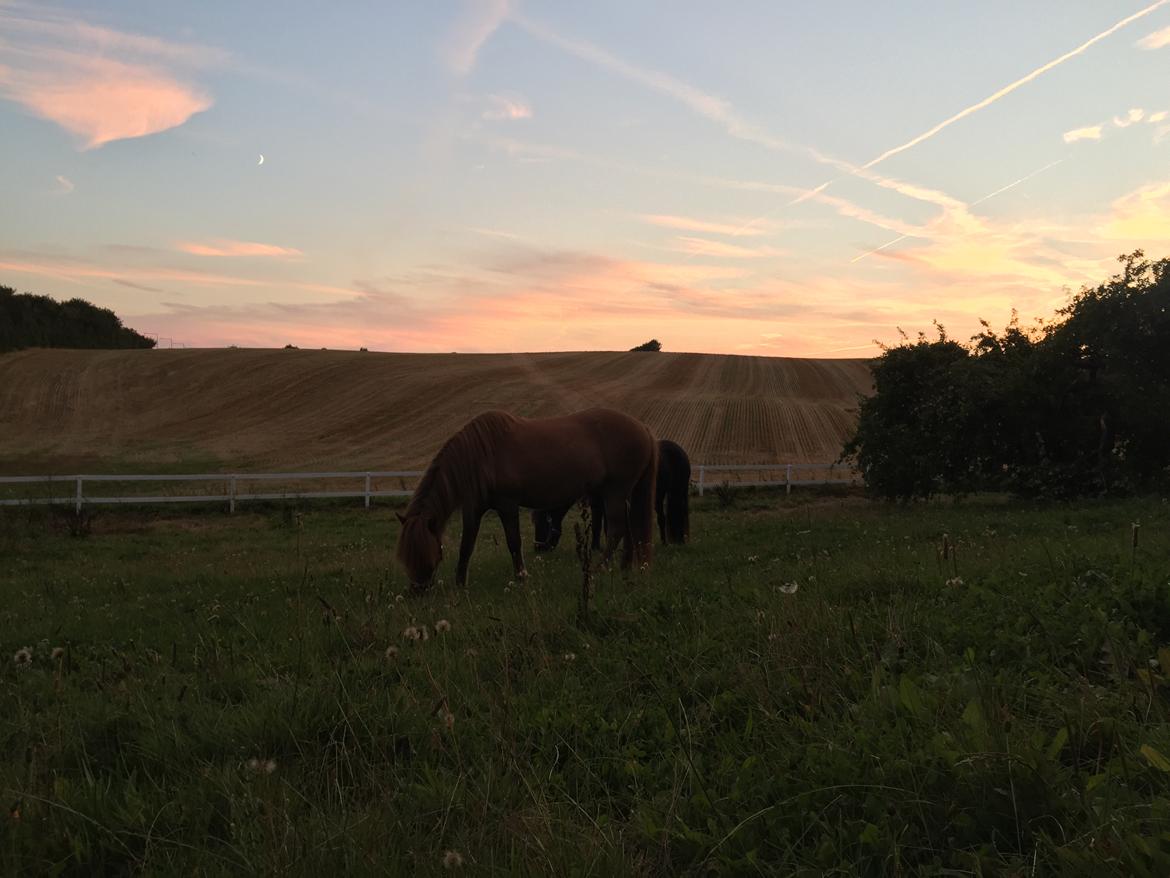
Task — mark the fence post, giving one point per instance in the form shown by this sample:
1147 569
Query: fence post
788 479
232 495
79 495
367 490
701 470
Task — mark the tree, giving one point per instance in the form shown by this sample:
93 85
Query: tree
652 345
39 321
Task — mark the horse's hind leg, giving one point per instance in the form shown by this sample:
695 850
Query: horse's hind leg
617 529
597 513
510 518
660 502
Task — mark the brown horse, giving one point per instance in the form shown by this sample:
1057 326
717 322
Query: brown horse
501 462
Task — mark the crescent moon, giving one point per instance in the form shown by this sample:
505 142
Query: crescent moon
261 159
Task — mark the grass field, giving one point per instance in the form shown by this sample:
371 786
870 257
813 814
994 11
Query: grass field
74 411
815 686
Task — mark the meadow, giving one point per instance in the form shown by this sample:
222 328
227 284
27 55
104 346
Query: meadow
816 685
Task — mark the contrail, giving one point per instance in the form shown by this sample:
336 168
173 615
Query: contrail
989 196
990 99
1008 89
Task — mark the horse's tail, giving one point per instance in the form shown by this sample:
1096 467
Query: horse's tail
678 504
642 509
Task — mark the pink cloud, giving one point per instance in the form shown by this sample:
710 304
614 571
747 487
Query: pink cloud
237 248
507 107
98 84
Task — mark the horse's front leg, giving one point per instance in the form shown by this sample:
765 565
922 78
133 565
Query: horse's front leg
471 519
510 517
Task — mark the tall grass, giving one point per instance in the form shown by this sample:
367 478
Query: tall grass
820 688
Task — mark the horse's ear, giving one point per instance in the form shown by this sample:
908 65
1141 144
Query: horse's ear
401 517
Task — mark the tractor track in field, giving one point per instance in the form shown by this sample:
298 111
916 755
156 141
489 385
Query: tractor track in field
292 409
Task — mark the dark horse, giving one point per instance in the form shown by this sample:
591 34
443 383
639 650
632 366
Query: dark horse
501 462
671 502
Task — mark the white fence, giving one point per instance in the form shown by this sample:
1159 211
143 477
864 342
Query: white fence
72 489
774 475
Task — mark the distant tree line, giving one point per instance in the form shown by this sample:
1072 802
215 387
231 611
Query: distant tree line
30 321
652 345
1078 405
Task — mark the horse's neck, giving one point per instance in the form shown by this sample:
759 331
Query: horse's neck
439 496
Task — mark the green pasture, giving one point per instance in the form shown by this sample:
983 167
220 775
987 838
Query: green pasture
817 685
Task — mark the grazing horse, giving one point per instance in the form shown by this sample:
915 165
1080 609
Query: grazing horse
671 502
501 462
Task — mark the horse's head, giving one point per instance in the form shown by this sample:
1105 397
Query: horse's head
420 548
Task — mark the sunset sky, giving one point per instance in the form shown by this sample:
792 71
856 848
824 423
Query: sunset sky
791 177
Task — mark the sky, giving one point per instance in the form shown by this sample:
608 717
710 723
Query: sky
789 178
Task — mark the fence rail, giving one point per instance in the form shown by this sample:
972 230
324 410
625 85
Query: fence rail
71 489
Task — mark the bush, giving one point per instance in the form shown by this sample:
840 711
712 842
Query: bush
652 345
1080 405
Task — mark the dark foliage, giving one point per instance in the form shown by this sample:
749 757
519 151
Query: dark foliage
652 345
1080 405
29 321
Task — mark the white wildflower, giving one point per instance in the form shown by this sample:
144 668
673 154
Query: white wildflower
570 656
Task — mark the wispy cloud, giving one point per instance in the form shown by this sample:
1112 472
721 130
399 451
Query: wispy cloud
925 233
507 107
99 84
689 224
236 248
64 185
1134 116
722 250
1141 217
701 102
74 271
1159 39
1091 132
478 21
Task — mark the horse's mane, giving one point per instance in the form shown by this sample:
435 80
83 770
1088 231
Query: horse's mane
463 468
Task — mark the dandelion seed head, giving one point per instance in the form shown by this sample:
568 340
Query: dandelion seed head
269 766
253 764
399 598
411 633
22 658
955 582
788 588
391 653
570 656
57 653
441 626
452 860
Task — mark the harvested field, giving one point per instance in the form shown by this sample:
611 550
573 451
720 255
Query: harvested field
300 409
